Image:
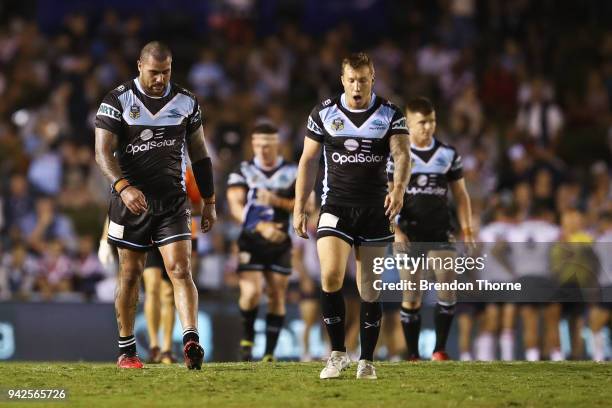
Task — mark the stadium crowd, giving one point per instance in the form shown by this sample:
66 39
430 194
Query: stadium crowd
523 91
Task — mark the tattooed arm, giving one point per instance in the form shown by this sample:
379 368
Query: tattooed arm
106 143
401 158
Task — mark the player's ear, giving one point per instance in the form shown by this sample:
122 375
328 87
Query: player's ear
139 65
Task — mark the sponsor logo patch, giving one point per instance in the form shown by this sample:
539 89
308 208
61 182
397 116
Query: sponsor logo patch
351 145
115 230
357 158
328 220
107 110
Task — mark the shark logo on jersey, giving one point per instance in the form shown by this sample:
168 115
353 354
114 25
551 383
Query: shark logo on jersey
337 124
378 124
134 111
174 113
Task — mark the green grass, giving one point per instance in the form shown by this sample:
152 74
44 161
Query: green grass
423 384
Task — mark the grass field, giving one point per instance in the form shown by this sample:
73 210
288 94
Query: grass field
423 384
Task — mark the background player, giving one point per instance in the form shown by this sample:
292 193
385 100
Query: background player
599 315
261 196
355 131
530 253
148 122
159 297
499 314
425 220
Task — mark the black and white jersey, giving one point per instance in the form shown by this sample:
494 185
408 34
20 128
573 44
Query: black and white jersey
603 249
152 134
426 204
531 243
355 149
494 238
280 181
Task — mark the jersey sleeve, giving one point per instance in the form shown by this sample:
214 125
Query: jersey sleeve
109 115
398 123
314 128
237 179
194 120
456 169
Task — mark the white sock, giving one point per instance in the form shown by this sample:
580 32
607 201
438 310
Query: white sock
506 345
532 354
598 344
465 356
486 348
556 355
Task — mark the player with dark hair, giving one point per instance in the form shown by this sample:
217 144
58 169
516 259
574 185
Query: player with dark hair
425 221
143 128
261 196
355 132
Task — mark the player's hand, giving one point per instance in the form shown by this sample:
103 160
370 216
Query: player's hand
271 231
300 221
134 200
266 197
469 241
209 217
393 203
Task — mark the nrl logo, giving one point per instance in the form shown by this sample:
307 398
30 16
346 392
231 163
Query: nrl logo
337 124
134 111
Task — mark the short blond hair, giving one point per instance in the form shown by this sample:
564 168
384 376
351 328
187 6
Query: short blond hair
358 60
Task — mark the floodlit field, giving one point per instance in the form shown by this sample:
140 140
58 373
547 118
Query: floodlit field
425 384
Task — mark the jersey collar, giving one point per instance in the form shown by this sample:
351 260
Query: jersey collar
424 149
345 105
257 162
137 82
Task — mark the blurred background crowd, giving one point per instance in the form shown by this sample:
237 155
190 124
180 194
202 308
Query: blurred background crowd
522 88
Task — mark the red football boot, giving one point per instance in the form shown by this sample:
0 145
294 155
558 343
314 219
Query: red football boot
126 361
194 355
440 356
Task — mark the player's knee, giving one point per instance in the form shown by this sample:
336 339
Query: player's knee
251 293
331 282
412 305
129 276
276 297
179 271
447 297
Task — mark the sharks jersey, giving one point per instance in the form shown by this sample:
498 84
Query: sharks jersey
280 181
355 149
152 135
426 209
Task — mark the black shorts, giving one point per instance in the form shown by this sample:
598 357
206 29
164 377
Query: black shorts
256 254
155 260
355 225
164 222
436 238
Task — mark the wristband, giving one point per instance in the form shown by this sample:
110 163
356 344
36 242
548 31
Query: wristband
123 188
203 175
210 200
120 184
